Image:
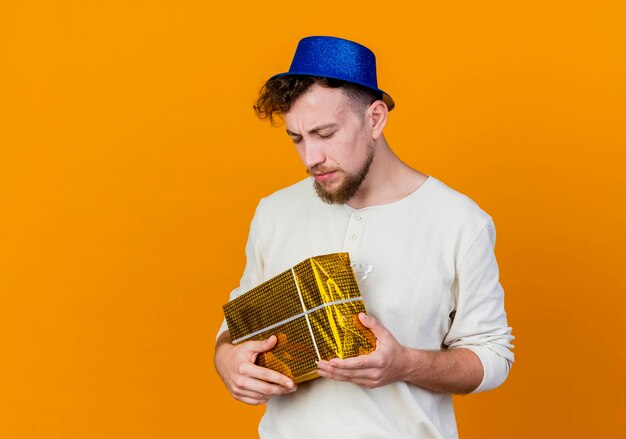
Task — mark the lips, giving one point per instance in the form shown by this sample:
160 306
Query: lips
323 176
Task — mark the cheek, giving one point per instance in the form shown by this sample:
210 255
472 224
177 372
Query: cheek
350 151
343 149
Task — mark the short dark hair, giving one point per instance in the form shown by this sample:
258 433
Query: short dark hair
278 94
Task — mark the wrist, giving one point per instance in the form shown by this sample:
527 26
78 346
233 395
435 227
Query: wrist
414 364
223 343
409 363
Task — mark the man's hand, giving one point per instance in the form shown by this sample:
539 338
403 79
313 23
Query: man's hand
383 366
447 371
246 381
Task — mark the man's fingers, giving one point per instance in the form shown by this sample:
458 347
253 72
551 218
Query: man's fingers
360 362
255 347
266 375
247 393
366 377
250 387
258 346
247 381
374 325
349 373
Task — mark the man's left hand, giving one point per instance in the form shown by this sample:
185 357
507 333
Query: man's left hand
387 364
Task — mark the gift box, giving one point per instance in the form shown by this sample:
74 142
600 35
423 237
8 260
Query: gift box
312 309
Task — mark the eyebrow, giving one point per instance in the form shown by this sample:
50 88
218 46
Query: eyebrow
314 130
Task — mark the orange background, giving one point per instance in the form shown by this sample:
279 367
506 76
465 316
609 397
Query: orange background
131 164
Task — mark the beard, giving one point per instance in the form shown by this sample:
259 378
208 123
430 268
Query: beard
349 186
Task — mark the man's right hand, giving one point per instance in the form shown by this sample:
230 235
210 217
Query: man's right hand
246 381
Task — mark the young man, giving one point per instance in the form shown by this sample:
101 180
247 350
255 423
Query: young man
434 301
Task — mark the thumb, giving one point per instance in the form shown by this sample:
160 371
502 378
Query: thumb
374 325
263 345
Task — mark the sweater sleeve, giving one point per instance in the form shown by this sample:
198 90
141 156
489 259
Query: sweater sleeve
252 274
480 322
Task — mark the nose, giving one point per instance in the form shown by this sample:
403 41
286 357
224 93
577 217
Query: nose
311 153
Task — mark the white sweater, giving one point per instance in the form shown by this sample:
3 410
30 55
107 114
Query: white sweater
434 286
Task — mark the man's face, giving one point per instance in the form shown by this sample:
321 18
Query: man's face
332 141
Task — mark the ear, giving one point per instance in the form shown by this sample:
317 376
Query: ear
377 118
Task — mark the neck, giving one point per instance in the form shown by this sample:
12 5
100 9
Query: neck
389 179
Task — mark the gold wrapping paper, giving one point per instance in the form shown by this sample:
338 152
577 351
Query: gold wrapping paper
312 309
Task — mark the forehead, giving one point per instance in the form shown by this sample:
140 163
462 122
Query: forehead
318 105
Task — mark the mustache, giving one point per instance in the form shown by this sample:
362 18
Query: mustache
320 169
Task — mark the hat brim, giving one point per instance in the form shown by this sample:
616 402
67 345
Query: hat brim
386 98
